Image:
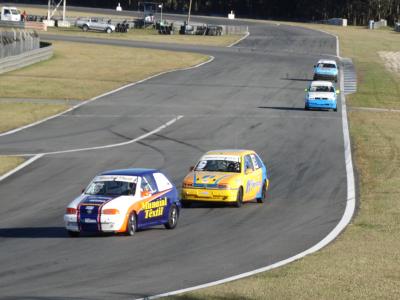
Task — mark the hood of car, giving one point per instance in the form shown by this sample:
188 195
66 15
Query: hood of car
212 179
321 96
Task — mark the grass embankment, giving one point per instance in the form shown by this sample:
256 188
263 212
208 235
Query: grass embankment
79 72
143 35
363 263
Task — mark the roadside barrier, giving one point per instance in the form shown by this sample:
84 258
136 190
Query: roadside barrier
20 48
397 27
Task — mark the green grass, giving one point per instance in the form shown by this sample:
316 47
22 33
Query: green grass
363 262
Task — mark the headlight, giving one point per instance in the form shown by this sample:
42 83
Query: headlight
187 185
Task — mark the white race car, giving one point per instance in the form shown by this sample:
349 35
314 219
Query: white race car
321 95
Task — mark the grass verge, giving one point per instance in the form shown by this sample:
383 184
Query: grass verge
81 71
8 163
363 262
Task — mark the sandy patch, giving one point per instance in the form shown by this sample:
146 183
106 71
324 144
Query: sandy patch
392 60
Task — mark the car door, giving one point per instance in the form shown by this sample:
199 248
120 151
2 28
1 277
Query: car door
248 186
257 175
154 210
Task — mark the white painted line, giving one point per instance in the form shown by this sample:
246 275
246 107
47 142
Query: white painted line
103 95
21 166
237 42
345 220
158 129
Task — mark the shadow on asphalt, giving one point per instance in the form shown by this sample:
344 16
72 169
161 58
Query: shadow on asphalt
283 108
297 79
33 232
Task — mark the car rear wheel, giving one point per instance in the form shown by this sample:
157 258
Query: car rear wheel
172 217
239 198
263 194
132 224
85 28
73 233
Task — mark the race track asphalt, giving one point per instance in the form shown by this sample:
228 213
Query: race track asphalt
249 96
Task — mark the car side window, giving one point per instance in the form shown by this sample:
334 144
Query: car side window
148 184
248 164
256 164
163 183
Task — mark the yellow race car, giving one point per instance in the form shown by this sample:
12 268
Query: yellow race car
231 176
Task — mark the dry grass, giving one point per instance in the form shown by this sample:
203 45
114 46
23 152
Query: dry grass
14 115
363 263
9 163
81 71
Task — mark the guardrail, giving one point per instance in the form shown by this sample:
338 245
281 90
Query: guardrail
16 41
25 59
377 24
20 48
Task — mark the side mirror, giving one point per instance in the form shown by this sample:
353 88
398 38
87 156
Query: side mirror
191 168
145 194
83 190
315 66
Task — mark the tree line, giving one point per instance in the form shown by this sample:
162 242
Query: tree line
358 12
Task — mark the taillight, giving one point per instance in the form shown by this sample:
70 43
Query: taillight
71 211
110 211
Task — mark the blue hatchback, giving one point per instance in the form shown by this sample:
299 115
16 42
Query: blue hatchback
326 70
321 95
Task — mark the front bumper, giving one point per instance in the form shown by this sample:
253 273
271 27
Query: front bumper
108 223
321 104
209 195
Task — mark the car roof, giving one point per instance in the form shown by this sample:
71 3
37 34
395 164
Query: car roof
130 172
321 83
237 152
326 61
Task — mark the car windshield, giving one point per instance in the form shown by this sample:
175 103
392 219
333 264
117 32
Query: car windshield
111 188
216 165
321 89
330 66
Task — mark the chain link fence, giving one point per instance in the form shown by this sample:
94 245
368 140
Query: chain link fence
14 42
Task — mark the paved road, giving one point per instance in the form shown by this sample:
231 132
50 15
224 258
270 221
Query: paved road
250 96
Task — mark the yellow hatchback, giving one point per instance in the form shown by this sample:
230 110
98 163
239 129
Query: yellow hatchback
231 176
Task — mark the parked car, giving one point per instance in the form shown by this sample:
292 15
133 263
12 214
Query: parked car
95 24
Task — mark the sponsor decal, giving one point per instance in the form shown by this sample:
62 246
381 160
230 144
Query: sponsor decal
154 209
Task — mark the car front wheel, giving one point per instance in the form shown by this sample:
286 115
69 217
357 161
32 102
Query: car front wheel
108 30
85 28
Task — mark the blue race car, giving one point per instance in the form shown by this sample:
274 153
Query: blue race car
321 95
124 201
326 70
